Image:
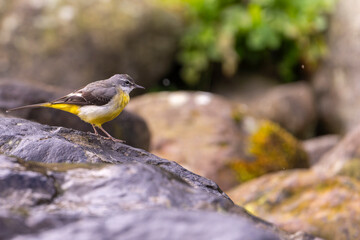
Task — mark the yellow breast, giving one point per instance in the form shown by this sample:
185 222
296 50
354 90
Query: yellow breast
100 114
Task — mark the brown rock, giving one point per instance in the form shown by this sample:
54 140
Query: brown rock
337 82
324 206
344 159
317 147
292 106
127 126
210 136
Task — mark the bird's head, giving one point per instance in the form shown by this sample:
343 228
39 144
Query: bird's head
125 82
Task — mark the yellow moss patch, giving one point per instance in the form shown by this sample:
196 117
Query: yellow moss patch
327 207
270 148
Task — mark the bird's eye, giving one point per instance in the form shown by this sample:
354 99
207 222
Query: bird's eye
127 82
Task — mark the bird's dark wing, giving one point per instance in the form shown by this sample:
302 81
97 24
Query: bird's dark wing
99 96
93 94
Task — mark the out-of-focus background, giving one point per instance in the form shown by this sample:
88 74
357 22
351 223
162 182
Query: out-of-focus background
234 90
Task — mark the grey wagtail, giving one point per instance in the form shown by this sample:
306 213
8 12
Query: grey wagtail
96 103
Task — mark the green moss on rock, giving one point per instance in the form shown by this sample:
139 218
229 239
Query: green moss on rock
270 148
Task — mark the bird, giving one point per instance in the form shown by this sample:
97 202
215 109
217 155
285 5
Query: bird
96 103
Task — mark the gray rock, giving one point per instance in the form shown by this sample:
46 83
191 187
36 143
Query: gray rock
337 82
20 188
10 225
160 224
129 186
127 126
59 184
16 222
40 143
317 147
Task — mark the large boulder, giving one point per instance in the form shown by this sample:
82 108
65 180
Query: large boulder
72 43
337 82
323 205
41 143
214 138
127 126
138 196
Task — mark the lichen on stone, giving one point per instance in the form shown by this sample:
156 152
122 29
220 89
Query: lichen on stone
270 148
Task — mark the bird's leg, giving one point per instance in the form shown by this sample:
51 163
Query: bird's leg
109 136
95 131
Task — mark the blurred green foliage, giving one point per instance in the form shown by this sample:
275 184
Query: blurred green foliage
284 33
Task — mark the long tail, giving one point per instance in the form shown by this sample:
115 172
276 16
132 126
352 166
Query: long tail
30 106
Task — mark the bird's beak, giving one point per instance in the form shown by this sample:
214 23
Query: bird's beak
138 86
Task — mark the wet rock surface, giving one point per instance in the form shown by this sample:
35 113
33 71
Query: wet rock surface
60 183
127 126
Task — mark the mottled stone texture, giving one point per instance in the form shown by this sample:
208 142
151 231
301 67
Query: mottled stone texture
324 205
